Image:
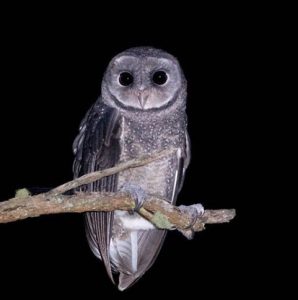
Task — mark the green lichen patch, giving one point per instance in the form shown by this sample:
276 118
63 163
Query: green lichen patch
161 221
22 193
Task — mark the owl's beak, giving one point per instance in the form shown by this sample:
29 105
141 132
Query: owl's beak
143 97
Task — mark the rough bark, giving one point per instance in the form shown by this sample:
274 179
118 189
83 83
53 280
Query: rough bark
158 211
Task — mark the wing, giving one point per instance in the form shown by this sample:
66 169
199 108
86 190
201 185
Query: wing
148 248
183 159
97 147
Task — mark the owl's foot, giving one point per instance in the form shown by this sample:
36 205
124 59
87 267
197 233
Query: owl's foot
137 193
196 211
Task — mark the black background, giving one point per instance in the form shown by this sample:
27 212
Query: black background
51 74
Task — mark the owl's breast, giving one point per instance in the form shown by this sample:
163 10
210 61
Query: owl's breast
138 139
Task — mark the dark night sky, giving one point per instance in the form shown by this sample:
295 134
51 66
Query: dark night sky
52 75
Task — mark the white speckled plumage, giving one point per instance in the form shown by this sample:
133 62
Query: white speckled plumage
142 117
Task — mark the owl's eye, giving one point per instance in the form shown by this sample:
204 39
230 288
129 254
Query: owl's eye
125 79
160 77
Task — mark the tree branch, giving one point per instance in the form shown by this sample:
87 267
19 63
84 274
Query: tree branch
158 211
94 176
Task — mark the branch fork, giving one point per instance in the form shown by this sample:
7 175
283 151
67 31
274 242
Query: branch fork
186 219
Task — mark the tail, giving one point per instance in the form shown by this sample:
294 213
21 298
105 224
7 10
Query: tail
135 254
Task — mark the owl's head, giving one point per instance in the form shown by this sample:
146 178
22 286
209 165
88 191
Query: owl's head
143 78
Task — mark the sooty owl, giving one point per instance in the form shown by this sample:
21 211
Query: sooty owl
141 110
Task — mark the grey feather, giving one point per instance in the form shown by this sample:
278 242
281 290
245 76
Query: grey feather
140 116
97 147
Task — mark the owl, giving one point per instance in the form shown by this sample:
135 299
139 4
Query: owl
141 110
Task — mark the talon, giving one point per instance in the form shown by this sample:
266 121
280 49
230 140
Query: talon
138 195
195 210
199 208
138 204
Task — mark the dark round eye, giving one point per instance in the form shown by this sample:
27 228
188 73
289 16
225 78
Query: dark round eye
125 79
160 77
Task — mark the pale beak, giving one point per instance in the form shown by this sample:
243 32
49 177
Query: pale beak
143 97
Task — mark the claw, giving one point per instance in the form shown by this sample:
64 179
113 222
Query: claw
195 210
137 193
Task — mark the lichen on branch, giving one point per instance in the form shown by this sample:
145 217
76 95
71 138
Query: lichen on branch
158 211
